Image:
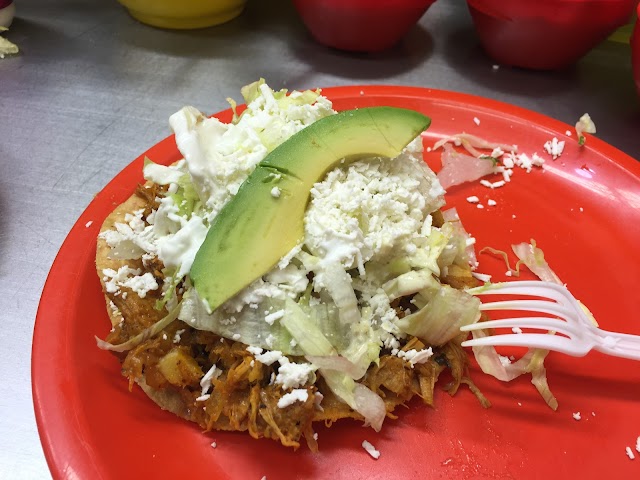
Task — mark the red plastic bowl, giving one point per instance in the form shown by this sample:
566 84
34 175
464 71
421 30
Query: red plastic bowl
545 34
360 25
635 51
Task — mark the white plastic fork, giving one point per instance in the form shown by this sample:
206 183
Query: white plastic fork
581 334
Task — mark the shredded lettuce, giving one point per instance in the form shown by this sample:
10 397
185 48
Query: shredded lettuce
439 321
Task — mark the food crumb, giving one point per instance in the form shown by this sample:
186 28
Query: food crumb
513 216
480 205
508 273
581 209
630 453
428 149
491 202
495 67
371 450
517 330
577 416
473 199
593 414
519 404
275 192
88 224
447 461
214 444
264 477
315 436
476 120
568 133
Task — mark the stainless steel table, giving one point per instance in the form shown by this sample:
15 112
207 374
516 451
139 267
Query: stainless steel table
93 88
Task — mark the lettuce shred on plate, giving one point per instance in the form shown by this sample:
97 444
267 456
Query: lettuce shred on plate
353 322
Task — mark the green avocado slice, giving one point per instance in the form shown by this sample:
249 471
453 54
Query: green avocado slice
265 219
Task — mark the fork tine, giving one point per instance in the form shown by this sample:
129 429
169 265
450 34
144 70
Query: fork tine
524 322
530 340
527 287
529 305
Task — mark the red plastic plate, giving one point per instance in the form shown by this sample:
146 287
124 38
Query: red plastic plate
584 212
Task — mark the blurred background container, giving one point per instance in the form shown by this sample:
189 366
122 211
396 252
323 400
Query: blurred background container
546 34
184 14
635 51
7 10
360 25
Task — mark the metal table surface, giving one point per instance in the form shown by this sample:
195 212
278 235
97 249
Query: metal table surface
93 88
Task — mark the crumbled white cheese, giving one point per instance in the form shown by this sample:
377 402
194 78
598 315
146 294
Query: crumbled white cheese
293 375
176 337
203 398
577 416
554 147
266 358
414 356
480 206
516 330
491 202
269 340
88 224
497 152
371 208
476 120
371 450
205 382
236 336
630 453
296 395
473 199
275 192
214 444
272 317
568 133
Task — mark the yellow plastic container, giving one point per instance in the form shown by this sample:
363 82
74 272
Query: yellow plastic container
184 14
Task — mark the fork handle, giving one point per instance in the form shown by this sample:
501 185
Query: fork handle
617 344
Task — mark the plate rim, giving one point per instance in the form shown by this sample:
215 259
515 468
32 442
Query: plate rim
61 467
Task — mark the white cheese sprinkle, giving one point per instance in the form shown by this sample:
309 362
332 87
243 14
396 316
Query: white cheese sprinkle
480 205
516 330
577 416
473 199
275 192
297 395
214 444
630 453
476 120
371 450
176 337
88 224
272 317
236 336
554 147
568 133
414 356
293 375
491 202
203 398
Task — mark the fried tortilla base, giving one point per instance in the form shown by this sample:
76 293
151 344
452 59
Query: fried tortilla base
169 366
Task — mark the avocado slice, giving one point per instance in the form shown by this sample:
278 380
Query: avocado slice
265 219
